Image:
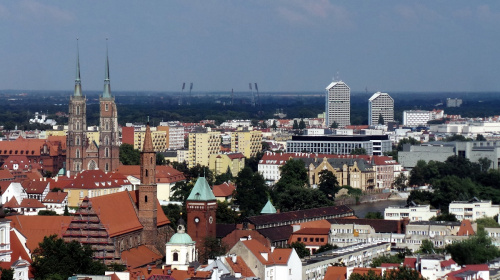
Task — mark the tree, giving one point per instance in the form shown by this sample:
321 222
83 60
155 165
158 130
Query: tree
181 191
328 184
473 250
66 211
301 249
380 119
377 261
252 192
293 172
212 247
274 126
326 247
484 163
47 213
358 151
480 137
160 159
224 177
7 274
129 155
427 247
173 212
295 124
487 222
402 142
400 181
226 215
374 215
56 259
445 217
302 124
334 125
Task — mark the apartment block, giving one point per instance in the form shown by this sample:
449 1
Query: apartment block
380 104
473 209
201 146
245 141
412 212
174 136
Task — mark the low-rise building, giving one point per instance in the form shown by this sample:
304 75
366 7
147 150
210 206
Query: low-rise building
221 163
473 209
341 145
412 212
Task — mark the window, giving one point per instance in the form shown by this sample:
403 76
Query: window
77 140
106 107
175 257
78 110
146 198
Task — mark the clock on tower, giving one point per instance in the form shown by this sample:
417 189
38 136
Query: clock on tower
201 209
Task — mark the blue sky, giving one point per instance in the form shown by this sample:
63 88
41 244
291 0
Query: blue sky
283 45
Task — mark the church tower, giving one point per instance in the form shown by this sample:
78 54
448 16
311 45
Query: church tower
76 139
201 206
147 201
109 149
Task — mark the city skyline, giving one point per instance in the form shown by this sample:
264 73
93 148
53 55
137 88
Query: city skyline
281 45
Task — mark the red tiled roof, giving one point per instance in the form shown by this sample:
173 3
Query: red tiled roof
118 212
390 265
235 156
448 263
465 228
60 182
223 190
313 231
31 203
140 256
278 256
34 228
4 185
33 175
55 197
163 174
95 179
30 147
336 273
6 175
240 267
365 270
34 187
22 161
410 262
12 203
188 274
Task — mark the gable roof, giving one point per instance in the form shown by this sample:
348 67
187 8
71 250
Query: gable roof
224 190
35 228
139 257
240 267
201 191
12 203
34 187
465 228
55 197
31 203
95 179
279 256
336 273
30 147
277 233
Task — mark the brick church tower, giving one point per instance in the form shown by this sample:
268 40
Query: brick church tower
76 140
147 201
109 149
201 206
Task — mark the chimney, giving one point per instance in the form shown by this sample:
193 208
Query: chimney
272 248
234 258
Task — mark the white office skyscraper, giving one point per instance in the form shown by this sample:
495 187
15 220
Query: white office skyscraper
338 104
380 104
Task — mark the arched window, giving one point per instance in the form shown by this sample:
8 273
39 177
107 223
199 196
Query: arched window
106 140
145 198
77 125
146 173
77 153
78 110
106 107
106 167
107 125
175 257
92 165
151 160
106 152
77 140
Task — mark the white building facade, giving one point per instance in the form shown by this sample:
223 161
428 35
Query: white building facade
380 104
416 117
473 209
411 212
338 104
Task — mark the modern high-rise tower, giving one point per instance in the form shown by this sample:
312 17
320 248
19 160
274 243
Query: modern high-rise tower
338 104
80 153
380 104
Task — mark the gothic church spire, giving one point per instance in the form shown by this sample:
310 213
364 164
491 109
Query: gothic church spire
107 87
78 82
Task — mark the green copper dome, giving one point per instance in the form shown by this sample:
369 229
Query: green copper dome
181 238
201 191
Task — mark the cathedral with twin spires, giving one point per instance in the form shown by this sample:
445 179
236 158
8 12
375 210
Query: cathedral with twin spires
81 154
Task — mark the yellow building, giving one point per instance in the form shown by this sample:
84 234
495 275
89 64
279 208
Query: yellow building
353 172
201 146
159 140
93 183
219 163
247 142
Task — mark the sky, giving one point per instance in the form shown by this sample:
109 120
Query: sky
283 45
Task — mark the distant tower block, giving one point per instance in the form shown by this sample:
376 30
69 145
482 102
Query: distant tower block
338 104
380 104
